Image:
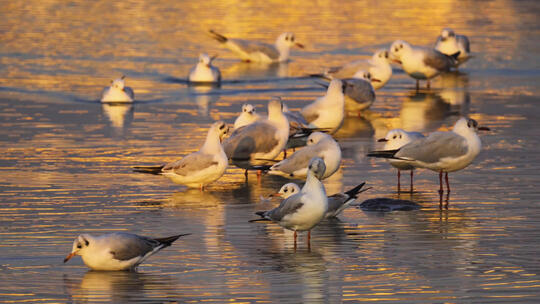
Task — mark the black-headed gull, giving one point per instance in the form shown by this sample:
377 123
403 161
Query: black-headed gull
449 43
396 139
441 152
246 117
421 63
204 72
117 251
256 51
304 210
200 168
117 92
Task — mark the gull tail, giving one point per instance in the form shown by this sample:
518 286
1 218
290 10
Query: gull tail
167 241
218 37
262 219
353 193
384 154
148 169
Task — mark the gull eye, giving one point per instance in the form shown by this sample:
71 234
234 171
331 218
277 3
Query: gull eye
399 135
292 38
401 46
385 54
285 190
394 137
396 49
79 246
86 242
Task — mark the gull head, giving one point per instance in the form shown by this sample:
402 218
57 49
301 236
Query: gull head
381 55
221 128
287 190
80 245
361 74
397 49
205 59
118 83
395 139
287 40
317 167
317 137
248 108
447 33
468 125
275 106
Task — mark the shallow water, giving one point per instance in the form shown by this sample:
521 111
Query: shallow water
66 159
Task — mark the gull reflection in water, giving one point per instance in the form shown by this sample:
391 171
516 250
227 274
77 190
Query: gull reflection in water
204 96
252 70
455 91
119 114
115 286
423 112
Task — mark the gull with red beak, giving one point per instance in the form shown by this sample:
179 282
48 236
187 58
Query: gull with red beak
204 72
255 51
117 251
200 168
117 92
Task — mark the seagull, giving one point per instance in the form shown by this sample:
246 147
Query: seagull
247 116
421 63
200 168
359 91
118 92
449 43
441 152
204 72
304 210
318 145
328 111
336 203
254 51
378 66
117 251
260 141
395 139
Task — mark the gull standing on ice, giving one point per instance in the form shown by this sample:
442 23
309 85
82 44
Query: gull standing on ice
396 139
327 112
378 66
336 203
441 152
449 43
247 116
117 92
304 210
117 251
255 51
200 168
204 72
260 141
421 63
318 145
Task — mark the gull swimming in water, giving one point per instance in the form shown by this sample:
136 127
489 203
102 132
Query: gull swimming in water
200 168
318 145
328 111
336 203
246 117
396 139
304 210
204 71
117 251
449 43
260 141
378 66
421 63
441 152
117 92
256 51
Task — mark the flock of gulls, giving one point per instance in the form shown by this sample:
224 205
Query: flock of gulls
255 141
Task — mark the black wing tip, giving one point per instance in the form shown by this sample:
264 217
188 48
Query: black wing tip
262 219
148 169
383 153
354 191
455 55
218 36
167 241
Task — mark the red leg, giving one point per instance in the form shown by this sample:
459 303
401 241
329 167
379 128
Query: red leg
259 172
284 153
412 181
398 180
428 85
309 240
447 183
295 240
417 85
440 183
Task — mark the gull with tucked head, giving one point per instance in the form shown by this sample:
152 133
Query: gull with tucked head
204 72
117 92
449 43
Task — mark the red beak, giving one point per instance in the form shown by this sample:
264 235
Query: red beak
69 256
382 140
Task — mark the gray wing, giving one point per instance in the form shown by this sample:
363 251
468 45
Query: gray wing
125 246
298 160
288 206
259 136
336 201
310 112
193 162
359 90
255 46
130 92
464 41
297 118
437 60
436 146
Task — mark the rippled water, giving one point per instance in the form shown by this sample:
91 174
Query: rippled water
66 159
